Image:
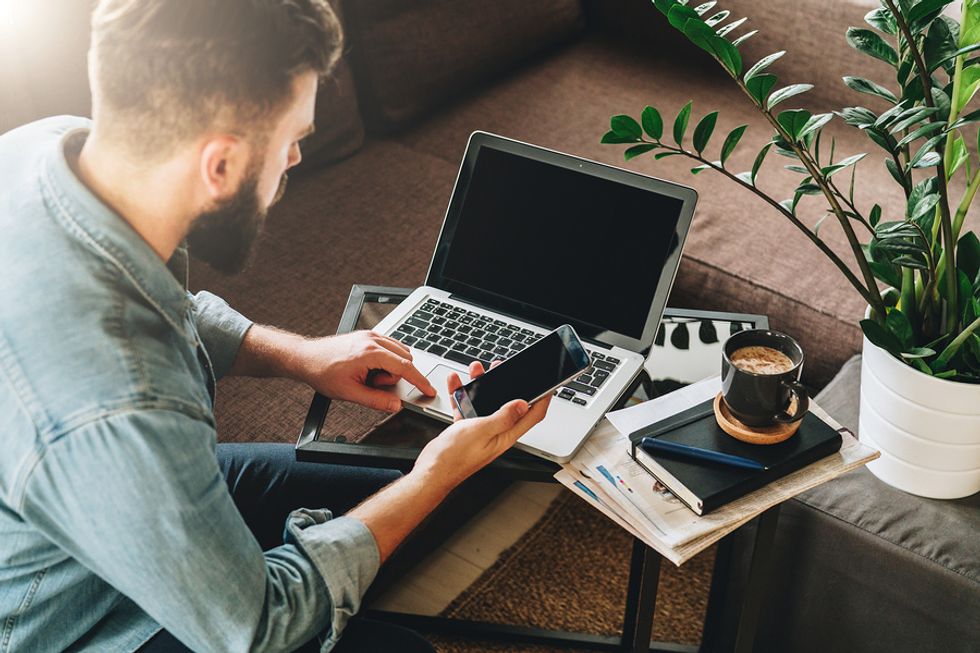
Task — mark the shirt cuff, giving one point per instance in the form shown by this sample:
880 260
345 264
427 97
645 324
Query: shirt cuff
346 555
222 329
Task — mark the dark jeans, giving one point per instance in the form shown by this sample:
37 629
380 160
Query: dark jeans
267 483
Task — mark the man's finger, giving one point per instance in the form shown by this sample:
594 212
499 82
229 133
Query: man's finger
383 379
394 346
377 399
396 365
476 369
506 417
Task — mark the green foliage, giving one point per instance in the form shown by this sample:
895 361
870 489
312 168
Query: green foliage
929 313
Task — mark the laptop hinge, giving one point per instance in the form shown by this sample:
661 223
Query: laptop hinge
467 300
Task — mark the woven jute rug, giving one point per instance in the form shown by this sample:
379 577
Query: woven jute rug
569 572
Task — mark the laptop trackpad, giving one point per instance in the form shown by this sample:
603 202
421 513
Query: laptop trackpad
441 403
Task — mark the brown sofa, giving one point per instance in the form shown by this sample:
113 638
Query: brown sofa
419 77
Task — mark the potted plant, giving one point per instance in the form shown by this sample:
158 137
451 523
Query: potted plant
918 272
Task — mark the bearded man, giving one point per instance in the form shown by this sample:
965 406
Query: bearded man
124 526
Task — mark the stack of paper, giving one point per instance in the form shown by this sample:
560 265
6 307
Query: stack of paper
604 474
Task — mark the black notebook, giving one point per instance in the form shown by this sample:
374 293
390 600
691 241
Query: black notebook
704 486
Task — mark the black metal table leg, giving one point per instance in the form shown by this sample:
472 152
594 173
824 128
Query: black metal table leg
641 598
755 587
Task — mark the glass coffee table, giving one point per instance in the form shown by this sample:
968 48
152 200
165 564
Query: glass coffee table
687 348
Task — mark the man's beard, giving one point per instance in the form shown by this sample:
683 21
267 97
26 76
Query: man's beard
225 236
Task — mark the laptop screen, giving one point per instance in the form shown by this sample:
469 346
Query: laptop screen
560 243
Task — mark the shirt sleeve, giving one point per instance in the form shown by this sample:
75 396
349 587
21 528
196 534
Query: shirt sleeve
222 329
139 499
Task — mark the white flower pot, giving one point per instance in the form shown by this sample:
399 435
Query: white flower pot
927 429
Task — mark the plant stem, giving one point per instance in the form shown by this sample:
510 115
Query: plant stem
835 259
954 346
952 305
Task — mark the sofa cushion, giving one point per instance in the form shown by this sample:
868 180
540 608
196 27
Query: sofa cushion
339 130
411 56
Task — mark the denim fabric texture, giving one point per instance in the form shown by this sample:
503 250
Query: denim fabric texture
115 519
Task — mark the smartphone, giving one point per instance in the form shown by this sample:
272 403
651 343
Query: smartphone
531 374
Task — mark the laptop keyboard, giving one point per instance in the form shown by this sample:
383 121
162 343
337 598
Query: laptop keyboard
465 336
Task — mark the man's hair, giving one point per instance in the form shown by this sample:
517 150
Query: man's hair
167 71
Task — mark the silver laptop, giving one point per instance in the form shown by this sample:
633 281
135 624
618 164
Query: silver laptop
533 239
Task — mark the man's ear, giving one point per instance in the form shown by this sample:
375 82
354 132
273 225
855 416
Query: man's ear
224 160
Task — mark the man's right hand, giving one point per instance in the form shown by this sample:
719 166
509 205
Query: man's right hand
470 444
448 460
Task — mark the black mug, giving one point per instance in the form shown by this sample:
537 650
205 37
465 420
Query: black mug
763 399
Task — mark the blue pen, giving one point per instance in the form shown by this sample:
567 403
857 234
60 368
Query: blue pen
654 445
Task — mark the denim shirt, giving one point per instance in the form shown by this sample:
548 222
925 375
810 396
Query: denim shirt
115 520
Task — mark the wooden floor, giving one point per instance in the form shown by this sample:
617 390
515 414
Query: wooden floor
438 579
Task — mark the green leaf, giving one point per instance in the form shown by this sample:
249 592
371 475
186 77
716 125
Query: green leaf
862 85
678 15
892 113
787 92
969 83
717 18
793 121
699 33
626 127
759 158
898 323
875 217
702 133
970 28
939 46
762 64
815 123
731 141
816 227
653 124
759 87
960 155
925 130
917 203
881 337
973 116
909 118
664 155
637 150
612 138
680 124
858 117
808 188
924 12
968 255
868 42
886 272
744 37
797 169
882 19
928 160
832 170
705 7
735 24
895 172
918 352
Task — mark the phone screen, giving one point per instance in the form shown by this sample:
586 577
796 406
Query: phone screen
534 371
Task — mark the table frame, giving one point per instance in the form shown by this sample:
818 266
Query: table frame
733 608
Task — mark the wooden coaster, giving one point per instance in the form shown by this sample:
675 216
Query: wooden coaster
751 434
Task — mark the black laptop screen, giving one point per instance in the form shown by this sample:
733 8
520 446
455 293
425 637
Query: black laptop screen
560 242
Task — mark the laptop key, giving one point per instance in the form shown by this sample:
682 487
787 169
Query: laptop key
433 338
479 333
479 323
474 342
460 337
446 342
565 394
597 355
597 381
604 365
586 379
500 351
438 350
438 320
486 346
452 325
614 361
527 332
465 328
518 346
416 323
519 337
473 351
506 333
459 346
421 345
439 311
486 358
466 319
410 340
398 335
493 328
459 357
491 337
580 387
423 315
579 401
505 342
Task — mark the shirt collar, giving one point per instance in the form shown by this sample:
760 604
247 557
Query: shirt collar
110 236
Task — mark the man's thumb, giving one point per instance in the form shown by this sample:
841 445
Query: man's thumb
508 415
377 399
